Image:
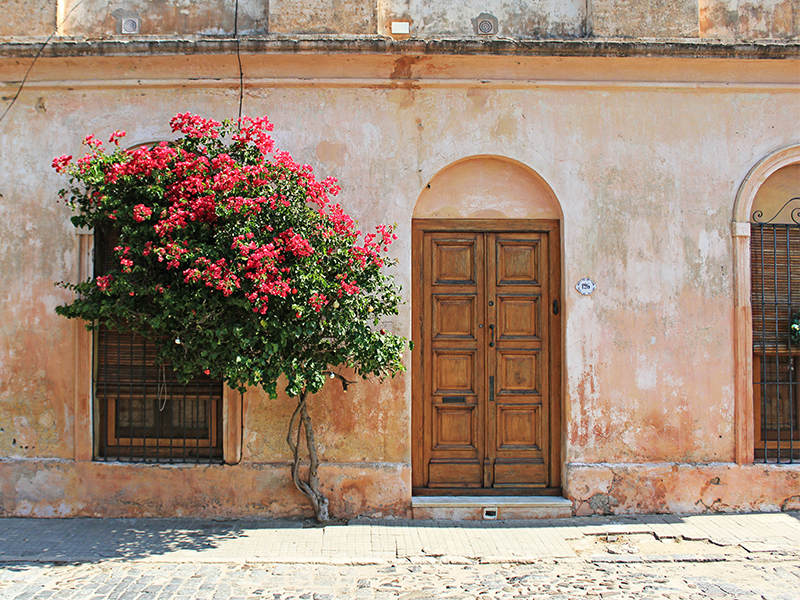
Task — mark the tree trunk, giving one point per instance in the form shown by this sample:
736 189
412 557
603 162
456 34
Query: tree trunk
300 422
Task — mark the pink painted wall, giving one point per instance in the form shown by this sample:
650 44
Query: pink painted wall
641 158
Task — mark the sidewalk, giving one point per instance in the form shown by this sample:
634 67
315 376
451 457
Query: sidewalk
650 538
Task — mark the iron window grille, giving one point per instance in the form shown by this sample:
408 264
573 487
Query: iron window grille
145 415
775 300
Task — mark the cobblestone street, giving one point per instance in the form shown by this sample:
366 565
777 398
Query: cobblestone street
741 557
742 579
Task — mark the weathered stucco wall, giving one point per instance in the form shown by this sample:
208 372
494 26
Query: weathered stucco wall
644 157
682 488
515 18
28 18
632 18
36 245
734 19
714 19
329 16
365 424
90 489
101 18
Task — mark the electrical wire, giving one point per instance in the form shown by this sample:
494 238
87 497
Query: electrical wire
58 26
64 20
35 58
238 59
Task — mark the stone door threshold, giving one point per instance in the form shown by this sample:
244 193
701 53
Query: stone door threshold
490 507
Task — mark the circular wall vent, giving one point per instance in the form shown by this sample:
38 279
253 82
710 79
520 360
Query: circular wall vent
485 24
129 25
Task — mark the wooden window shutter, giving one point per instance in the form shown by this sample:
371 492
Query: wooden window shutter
775 284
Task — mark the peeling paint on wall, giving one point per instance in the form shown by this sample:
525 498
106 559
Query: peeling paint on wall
326 16
655 18
672 488
516 18
63 488
735 19
28 18
100 18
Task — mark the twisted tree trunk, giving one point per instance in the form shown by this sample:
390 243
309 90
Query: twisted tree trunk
300 422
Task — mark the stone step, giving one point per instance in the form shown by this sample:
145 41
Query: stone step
492 508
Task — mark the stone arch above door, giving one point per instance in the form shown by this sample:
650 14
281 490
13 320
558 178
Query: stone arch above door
487 187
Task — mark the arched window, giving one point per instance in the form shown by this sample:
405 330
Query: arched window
775 301
766 232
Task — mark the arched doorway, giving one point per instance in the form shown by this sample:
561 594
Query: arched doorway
486 394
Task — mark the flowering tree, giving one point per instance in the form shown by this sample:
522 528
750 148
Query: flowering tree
234 261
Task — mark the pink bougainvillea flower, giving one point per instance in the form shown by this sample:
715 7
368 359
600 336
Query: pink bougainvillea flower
104 282
141 213
115 137
92 142
60 163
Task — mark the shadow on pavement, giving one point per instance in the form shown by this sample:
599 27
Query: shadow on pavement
86 540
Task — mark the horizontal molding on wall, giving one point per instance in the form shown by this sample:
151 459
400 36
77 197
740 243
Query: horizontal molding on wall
271 44
391 84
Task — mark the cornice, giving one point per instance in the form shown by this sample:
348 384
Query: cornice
592 47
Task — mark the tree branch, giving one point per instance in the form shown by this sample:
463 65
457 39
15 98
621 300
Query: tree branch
345 382
319 500
310 489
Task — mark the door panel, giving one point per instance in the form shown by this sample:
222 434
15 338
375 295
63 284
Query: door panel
454 372
518 317
454 261
482 412
518 428
455 428
517 261
454 316
449 474
517 374
518 474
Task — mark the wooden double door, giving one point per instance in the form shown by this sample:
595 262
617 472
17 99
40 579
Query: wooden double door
486 380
